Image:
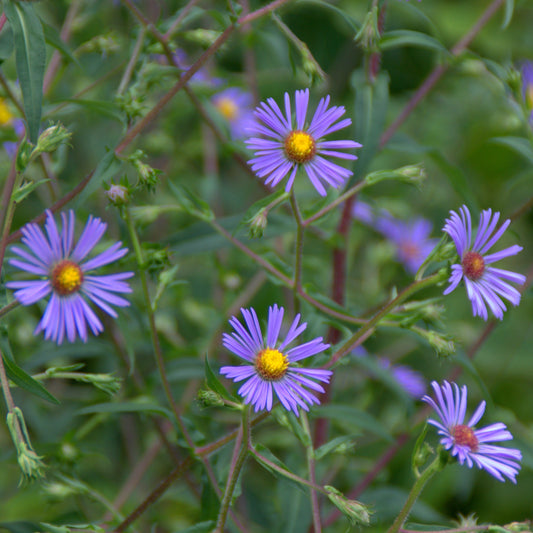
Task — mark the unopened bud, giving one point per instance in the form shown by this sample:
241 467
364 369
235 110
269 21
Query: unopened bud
368 35
355 511
209 398
258 224
118 195
51 138
29 462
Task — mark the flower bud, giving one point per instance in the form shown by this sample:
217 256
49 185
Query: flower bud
258 224
118 195
356 512
51 138
29 462
209 398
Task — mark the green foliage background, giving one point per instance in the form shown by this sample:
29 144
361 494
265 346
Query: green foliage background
92 441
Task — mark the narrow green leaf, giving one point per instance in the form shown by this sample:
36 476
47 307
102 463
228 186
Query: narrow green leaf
508 15
53 38
191 203
267 454
30 55
337 445
125 407
397 38
214 383
520 145
108 167
201 527
98 107
17 375
355 26
26 189
21 526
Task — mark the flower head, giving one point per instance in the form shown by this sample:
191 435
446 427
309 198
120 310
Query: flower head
270 366
410 380
235 105
294 143
484 284
411 238
466 443
66 273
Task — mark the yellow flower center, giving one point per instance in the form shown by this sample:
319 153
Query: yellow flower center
66 278
228 108
464 436
271 364
473 265
300 147
5 113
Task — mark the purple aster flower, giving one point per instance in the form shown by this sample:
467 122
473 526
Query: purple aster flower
527 87
410 380
466 443
484 284
290 145
270 367
65 272
411 239
235 105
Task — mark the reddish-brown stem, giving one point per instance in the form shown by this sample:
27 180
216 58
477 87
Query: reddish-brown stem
223 37
55 62
437 73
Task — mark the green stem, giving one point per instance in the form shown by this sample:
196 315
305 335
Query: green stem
297 284
9 307
310 452
289 475
425 476
333 205
364 330
240 453
153 330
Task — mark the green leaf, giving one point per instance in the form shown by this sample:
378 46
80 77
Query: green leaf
355 418
397 38
21 526
30 55
98 107
201 527
337 445
191 203
265 452
108 167
26 189
19 376
371 101
214 383
520 145
347 18
125 407
508 15
53 38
